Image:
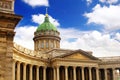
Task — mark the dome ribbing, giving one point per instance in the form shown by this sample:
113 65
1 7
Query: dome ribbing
46 25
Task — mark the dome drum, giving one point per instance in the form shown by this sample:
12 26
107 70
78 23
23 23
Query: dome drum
52 33
43 37
46 36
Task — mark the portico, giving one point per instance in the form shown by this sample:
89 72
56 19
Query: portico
25 71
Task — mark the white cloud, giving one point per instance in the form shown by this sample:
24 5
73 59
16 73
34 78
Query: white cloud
24 36
107 16
40 19
109 1
101 44
34 3
117 36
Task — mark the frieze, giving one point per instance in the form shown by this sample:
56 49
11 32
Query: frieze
7 26
10 26
110 66
3 44
5 4
76 64
3 24
2 37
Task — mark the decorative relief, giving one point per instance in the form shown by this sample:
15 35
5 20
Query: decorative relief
6 4
2 44
10 26
3 24
2 37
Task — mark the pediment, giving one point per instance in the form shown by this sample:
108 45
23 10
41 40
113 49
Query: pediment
79 54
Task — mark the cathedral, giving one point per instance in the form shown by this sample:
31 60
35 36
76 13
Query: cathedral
47 61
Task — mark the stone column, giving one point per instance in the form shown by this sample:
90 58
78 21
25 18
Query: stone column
66 73
82 69
106 77
13 70
54 73
18 71
31 71
97 73
24 71
113 71
44 73
74 72
37 72
90 73
58 75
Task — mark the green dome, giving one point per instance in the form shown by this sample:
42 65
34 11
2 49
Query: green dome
46 25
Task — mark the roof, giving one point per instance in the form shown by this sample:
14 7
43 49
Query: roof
107 59
46 25
61 53
82 52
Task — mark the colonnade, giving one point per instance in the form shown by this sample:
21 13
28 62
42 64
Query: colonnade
109 73
22 71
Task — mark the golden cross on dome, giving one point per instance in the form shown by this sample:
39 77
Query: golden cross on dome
46 12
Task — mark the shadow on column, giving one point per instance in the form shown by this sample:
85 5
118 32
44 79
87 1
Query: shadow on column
102 74
27 72
79 73
94 74
86 73
41 73
21 71
49 73
62 73
70 73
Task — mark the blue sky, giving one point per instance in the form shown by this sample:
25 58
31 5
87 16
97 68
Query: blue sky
91 25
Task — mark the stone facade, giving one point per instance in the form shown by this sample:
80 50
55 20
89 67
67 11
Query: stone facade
7 25
19 63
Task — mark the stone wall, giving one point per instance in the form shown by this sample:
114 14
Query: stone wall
6 44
